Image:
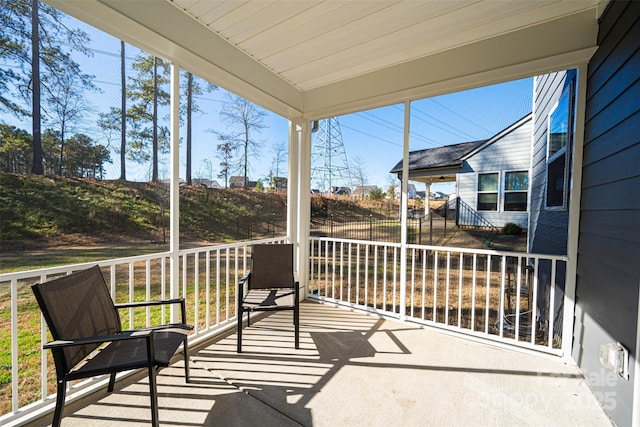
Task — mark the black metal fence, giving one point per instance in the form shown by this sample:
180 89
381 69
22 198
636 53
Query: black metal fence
426 231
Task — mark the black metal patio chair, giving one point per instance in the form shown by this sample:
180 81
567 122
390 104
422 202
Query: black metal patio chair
89 340
271 286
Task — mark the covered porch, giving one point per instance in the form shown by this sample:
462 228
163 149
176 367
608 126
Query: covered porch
393 352
351 369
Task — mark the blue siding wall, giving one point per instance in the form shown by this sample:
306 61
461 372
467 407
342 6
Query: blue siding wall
509 153
608 273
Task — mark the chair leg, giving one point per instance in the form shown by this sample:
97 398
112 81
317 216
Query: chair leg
296 325
154 396
62 392
239 344
112 382
186 359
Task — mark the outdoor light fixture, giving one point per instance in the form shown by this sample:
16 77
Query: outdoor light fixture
615 357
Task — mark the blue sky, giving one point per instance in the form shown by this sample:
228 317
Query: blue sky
371 138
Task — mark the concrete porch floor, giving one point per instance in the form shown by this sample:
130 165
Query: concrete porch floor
351 370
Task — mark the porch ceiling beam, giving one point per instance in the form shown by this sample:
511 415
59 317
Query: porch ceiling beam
556 45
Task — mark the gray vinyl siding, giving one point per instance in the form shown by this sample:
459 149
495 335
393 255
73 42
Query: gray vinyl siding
608 274
509 153
548 228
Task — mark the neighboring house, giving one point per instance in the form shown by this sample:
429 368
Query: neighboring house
279 183
363 191
492 175
411 189
238 182
205 183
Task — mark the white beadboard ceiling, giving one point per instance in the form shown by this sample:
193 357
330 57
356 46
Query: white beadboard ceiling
316 57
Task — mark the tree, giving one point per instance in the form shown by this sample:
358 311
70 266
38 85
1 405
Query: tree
33 34
15 149
193 88
357 170
14 35
66 99
376 194
226 150
279 151
244 118
147 93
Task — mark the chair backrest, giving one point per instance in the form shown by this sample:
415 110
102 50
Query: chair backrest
272 266
77 306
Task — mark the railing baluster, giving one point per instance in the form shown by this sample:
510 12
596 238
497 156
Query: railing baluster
502 287
447 289
14 345
366 275
131 288
384 279
207 290
552 302
147 286
460 275
196 291
413 279
357 273
375 276
533 290
435 285
473 292
424 280
487 296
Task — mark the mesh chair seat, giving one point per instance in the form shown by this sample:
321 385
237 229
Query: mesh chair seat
269 298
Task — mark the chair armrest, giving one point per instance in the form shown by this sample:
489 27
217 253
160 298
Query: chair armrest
127 335
183 314
244 279
150 303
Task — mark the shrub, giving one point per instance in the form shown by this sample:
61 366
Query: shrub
511 229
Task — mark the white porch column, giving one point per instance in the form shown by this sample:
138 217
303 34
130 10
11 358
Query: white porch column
427 198
298 195
575 193
404 203
304 203
174 191
292 183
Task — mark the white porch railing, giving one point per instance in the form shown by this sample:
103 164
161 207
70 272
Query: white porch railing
509 297
207 280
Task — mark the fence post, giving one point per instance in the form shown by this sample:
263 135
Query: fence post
370 227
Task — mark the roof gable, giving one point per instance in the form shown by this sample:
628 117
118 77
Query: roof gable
439 157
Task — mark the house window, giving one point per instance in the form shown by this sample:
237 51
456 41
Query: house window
488 191
560 133
516 188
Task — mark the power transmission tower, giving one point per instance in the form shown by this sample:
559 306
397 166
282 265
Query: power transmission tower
329 166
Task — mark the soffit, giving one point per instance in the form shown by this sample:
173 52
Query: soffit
327 57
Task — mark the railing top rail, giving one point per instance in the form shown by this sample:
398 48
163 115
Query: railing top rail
47 271
362 242
69 267
223 246
491 252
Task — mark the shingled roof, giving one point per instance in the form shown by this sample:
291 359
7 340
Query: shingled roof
440 157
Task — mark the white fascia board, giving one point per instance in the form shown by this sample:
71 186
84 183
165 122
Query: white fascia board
556 45
159 28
